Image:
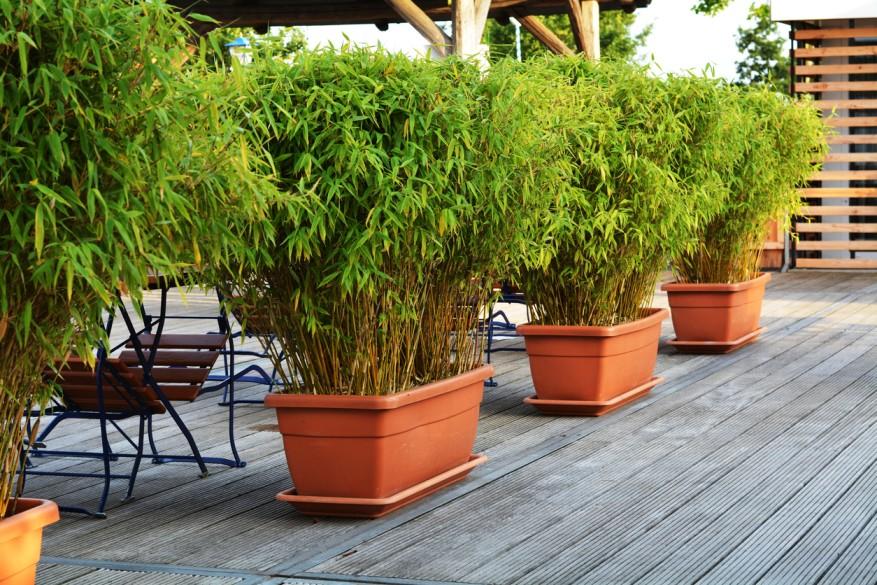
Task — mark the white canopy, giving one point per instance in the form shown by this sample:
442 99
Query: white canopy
789 10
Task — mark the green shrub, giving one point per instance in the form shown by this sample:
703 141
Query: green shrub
779 143
642 151
117 158
409 178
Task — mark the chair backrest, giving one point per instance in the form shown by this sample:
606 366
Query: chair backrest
123 388
182 361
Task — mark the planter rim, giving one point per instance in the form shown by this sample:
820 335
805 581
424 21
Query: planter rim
32 514
689 287
383 402
653 317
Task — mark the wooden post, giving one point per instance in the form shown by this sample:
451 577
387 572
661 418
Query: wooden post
423 24
469 18
545 35
584 17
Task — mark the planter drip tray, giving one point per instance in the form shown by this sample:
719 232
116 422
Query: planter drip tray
592 407
376 507
716 346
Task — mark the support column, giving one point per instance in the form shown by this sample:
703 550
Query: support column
469 18
584 17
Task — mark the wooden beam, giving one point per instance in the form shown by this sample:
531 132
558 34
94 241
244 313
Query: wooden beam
807 70
423 24
845 104
544 34
842 193
834 33
836 52
853 139
836 157
584 18
837 228
857 245
856 122
823 86
821 263
822 210
845 176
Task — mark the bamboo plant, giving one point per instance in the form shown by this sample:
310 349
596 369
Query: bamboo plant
596 252
118 158
408 178
781 144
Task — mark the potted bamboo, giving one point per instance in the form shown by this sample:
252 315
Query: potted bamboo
717 297
392 229
594 259
117 167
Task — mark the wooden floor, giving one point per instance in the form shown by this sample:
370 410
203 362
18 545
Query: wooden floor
759 466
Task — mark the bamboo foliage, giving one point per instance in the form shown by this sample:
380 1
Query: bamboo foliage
774 156
409 178
118 158
596 251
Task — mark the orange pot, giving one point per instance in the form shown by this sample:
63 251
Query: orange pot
592 370
351 455
716 317
21 536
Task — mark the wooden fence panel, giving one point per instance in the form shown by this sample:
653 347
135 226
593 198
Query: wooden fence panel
837 65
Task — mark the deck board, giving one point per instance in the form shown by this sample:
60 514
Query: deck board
758 466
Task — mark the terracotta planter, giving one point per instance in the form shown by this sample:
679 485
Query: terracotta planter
368 455
21 536
716 318
592 370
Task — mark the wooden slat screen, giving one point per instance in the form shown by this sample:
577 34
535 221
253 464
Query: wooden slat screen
837 65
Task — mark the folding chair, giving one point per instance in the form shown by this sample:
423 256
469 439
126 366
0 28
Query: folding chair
181 364
109 393
257 328
128 385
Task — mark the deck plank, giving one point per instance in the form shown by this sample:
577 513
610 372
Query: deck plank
759 465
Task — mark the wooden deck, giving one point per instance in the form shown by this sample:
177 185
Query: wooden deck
759 466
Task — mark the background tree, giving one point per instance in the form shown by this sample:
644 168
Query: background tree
765 60
617 40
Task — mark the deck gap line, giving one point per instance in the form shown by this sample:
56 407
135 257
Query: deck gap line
372 579
135 567
247 576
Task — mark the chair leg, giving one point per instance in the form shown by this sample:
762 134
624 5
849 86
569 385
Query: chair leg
152 446
105 443
489 349
230 388
129 495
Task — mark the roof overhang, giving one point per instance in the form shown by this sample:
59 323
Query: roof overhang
378 12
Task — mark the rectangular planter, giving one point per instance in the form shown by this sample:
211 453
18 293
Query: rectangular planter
716 313
373 447
593 364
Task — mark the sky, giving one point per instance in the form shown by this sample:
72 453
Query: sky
680 39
